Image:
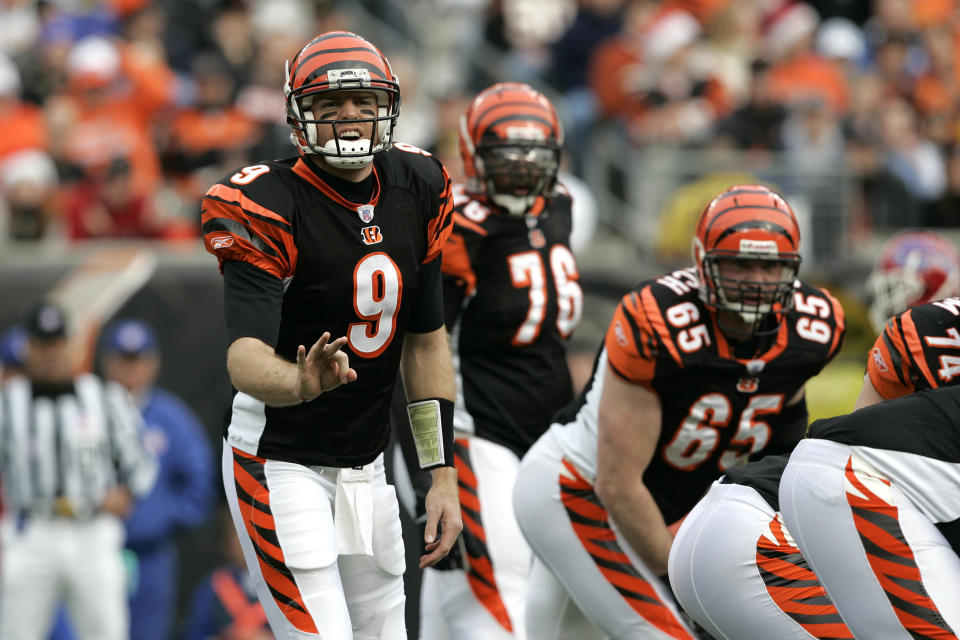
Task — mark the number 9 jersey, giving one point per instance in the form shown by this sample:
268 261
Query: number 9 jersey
718 410
350 268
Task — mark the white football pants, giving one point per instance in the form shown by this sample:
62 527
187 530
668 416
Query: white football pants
735 569
284 515
890 572
49 560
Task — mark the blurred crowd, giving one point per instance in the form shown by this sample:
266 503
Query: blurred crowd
117 114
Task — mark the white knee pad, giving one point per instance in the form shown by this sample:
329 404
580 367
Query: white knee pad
387 622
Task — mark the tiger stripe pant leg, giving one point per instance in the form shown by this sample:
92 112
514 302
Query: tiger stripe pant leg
570 531
889 570
282 597
732 556
486 599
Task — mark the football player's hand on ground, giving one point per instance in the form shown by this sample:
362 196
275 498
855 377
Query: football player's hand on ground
443 509
326 366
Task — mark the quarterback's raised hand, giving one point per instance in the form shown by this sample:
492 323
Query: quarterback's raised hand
326 366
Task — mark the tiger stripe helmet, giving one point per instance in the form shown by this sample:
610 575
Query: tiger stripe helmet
510 139
914 267
340 61
747 222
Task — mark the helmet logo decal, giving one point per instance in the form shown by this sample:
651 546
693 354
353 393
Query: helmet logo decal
346 78
527 131
371 235
365 211
758 246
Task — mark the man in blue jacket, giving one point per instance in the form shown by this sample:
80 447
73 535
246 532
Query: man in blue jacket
184 490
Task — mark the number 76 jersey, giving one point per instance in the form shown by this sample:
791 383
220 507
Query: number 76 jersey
717 410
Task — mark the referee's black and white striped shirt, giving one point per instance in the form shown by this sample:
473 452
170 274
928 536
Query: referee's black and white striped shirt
61 451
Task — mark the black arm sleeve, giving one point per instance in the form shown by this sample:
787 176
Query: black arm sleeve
453 294
790 430
252 299
427 314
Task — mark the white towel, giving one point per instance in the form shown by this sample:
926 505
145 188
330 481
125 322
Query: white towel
353 511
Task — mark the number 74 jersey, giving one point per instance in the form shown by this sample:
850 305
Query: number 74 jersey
717 410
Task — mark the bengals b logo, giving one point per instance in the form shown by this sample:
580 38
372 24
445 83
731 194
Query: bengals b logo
371 235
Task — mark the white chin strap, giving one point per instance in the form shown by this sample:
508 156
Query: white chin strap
515 205
358 152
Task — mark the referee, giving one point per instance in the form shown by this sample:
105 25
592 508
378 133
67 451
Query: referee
71 463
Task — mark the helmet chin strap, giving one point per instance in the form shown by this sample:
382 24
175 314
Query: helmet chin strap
515 205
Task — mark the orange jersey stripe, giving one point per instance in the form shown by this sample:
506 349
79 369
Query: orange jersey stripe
456 262
440 226
915 345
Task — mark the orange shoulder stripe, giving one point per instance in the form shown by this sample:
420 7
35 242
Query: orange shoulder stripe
456 262
440 226
652 312
230 194
915 345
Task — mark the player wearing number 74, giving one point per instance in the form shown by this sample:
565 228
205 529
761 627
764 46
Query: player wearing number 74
701 369
331 265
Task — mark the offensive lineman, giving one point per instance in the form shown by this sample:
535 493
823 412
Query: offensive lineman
331 265
733 551
511 300
701 369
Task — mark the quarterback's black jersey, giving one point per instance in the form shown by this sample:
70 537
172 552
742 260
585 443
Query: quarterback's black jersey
518 283
718 410
347 268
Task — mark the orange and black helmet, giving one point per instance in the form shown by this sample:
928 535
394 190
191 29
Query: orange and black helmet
510 140
340 61
747 222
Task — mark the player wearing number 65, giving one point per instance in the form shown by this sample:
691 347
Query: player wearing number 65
701 369
331 265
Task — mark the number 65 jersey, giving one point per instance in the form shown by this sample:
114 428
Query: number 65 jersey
717 410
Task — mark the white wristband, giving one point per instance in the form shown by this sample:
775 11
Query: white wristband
427 432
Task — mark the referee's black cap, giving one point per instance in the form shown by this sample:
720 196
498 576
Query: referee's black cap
46 321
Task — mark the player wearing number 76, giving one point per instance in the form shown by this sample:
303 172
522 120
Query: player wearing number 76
331 265
701 369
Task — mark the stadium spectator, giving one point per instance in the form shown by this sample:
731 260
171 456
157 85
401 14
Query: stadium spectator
303 453
732 341
28 195
108 113
72 462
21 122
757 124
797 72
184 489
